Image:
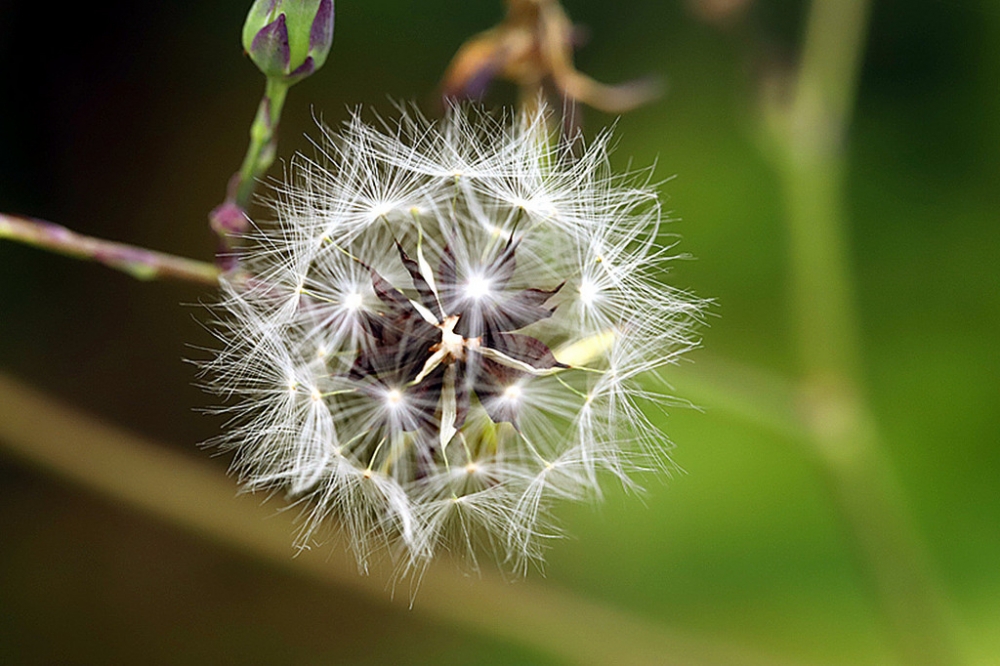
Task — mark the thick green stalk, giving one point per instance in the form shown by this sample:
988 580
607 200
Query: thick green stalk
810 160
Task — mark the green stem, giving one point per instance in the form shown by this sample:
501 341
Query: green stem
263 140
810 161
812 164
138 262
752 395
228 219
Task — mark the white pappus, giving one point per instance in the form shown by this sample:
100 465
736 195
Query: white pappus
449 324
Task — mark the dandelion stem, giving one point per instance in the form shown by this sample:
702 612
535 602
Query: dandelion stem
138 262
187 493
808 138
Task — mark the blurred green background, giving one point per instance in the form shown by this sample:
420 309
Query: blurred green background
123 120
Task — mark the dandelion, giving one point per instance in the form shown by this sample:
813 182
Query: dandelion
449 325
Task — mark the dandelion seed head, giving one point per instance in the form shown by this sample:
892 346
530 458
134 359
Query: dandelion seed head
449 325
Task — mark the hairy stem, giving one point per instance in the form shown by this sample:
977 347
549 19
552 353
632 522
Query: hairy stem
138 262
809 136
187 493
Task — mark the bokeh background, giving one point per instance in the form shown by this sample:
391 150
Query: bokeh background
123 120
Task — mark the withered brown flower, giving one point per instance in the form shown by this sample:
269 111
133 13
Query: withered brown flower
533 47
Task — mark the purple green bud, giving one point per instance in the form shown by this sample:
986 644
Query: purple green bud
289 39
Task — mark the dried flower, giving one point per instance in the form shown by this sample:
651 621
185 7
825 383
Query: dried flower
449 325
533 47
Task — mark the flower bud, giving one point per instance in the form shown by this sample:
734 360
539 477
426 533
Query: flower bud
289 39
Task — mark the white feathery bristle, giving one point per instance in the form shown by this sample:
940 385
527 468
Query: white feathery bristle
449 325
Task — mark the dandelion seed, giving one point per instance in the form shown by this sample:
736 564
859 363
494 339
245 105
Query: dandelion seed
512 393
588 292
429 353
353 301
477 287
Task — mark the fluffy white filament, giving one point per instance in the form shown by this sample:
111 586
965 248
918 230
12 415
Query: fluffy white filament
467 186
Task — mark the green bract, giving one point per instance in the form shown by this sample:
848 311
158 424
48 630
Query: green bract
289 39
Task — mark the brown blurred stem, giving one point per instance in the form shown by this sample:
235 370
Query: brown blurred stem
138 262
808 139
186 492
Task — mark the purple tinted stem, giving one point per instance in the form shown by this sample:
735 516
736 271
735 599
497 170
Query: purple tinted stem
138 262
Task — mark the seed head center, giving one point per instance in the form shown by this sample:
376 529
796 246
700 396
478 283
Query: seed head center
451 343
393 397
